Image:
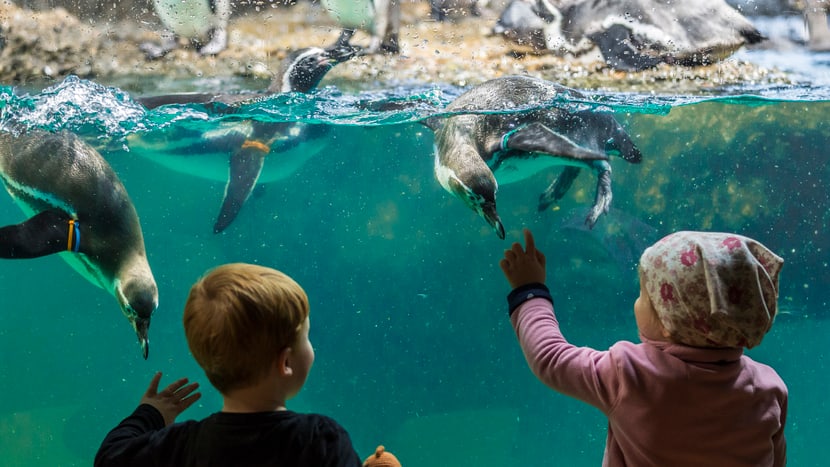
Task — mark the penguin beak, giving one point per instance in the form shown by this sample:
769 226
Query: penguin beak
488 212
142 328
340 53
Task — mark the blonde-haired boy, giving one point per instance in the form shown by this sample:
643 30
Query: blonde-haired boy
247 327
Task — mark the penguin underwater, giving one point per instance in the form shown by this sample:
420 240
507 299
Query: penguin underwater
631 35
80 209
194 19
476 151
243 153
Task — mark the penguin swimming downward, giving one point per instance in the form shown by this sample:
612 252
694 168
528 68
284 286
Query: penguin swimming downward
78 208
476 151
244 153
203 22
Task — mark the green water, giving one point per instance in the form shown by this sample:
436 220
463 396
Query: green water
414 349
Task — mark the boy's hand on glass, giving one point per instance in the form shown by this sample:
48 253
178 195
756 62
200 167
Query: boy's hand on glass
173 400
523 266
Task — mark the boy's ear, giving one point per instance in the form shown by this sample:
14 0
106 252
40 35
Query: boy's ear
283 362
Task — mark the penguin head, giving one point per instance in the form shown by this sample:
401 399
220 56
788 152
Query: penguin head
138 297
303 69
478 192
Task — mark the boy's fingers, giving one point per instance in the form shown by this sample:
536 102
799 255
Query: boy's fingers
154 384
176 385
190 400
187 390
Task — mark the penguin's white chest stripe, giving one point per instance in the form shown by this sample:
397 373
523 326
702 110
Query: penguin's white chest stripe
443 173
25 196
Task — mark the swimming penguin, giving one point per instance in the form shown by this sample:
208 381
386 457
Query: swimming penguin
381 18
79 208
476 151
204 22
244 153
631 34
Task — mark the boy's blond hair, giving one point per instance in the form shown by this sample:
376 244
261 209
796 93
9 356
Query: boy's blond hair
238 318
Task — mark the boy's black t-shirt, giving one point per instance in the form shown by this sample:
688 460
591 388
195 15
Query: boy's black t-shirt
283 438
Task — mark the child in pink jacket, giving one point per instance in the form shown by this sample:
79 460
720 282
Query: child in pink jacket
686 395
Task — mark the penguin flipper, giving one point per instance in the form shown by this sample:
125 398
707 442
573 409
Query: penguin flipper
245 167
43 234
536 137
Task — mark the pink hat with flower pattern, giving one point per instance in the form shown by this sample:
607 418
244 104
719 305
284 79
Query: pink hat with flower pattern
712 289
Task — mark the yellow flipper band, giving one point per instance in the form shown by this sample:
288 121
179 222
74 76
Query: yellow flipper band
73 243
254 144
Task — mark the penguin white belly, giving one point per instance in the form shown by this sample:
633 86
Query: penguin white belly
516 168
188 154
353 14
187 18
179 154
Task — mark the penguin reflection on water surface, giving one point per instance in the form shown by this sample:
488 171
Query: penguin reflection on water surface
476 151
81 210
244 153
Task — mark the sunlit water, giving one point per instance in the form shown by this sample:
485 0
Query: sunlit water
414 348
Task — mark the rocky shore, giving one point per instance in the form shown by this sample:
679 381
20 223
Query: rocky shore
41 47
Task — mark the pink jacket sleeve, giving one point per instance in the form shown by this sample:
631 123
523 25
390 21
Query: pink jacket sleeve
571 370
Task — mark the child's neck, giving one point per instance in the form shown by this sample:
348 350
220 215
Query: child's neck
257 398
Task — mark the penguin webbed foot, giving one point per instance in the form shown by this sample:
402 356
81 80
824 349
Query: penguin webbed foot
558 188
218 42
602 201
153 51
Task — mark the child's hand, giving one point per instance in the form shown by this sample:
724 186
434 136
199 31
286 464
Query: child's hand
175 398
522 267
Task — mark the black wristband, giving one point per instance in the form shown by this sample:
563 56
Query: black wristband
524 293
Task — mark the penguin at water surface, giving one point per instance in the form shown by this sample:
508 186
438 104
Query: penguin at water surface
203 22
507 129
79 209
244 153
